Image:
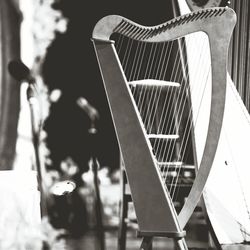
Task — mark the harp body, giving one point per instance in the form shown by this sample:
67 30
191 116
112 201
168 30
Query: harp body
227 195
153 205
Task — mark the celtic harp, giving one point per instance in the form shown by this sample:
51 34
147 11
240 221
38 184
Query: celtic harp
147 95
229 214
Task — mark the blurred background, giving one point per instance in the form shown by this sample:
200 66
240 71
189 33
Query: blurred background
53 38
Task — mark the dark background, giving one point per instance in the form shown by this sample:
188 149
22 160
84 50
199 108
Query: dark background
71 66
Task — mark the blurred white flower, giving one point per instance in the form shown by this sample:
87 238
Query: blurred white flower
69 167
47 21
55 95
104 177
88 177
51 177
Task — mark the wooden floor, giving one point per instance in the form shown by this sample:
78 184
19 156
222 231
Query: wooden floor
236 247
89 242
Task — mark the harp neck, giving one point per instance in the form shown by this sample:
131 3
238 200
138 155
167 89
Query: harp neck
209 20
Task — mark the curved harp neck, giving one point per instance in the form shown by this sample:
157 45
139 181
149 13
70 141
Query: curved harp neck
202 20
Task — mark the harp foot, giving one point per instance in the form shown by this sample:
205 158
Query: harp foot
147 243
181 244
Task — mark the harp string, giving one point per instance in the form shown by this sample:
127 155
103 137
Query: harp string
161 71
133 62
142 93
119 44
151 61
204 78
152 104
174 109
127 55
155 94
160 76
158 144
189 129
171 106
142 47
157 90
148 75
178 109
166 104
169 102
147 95
184 142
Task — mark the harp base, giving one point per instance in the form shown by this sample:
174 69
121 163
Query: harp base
147 243
174 235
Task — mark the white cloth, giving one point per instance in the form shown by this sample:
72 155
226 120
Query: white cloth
19 198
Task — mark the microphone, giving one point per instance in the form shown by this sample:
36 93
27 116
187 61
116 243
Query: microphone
20 71
88 109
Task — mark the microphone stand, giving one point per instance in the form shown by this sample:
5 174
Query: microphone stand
21 72
94 166
35 140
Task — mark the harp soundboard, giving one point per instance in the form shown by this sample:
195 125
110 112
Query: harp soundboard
148 94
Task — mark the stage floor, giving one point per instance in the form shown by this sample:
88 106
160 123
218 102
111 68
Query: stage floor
89 242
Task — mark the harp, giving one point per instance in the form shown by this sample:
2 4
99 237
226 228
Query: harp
229 214
148 106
